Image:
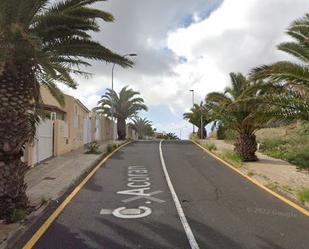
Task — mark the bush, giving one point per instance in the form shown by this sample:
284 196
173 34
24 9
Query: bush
220 132
303 128
232 158
210 146
293 149
194 136
224 133
273 143
17 215
111 147
93 148
230 135
303 195
299 158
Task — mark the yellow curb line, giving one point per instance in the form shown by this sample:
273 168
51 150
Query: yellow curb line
56 213
280 197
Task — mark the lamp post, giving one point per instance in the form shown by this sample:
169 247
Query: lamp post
112 107
192 106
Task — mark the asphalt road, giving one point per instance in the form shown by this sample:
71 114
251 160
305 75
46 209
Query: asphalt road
128 204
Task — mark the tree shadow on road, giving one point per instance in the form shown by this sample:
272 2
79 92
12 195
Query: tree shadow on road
92 185
59 236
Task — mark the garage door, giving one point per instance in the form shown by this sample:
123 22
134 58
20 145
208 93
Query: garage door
44 144
98 130
87 131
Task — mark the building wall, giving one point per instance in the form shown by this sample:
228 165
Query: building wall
107 125
131 134
76 113
69 130
62 141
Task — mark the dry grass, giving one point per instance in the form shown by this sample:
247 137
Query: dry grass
293 146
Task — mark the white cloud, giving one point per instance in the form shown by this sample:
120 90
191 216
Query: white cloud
237 36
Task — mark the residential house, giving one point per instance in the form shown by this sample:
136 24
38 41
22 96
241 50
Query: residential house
67 128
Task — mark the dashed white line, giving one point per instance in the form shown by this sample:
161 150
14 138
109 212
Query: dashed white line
180 211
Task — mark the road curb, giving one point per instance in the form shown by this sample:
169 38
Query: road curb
17 234
68 199
255 182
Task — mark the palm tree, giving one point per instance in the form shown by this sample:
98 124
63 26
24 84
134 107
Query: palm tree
294 77
125 104
239 109
42 42
142 126
170 136
199 117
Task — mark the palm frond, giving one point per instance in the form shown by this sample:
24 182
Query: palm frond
125 104
298 50
50 84
283 72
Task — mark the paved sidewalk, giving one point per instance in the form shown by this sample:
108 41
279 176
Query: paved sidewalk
49 180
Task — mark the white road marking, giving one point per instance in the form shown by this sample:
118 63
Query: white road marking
180 211
106 211
128 213
149 197
131 211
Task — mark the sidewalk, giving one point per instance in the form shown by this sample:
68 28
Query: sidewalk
273 173
49 180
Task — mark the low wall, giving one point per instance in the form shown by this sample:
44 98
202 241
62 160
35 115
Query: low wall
62 143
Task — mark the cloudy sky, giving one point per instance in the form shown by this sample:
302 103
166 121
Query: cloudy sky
183 45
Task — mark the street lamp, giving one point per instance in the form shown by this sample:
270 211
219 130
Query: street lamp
112 107
192 106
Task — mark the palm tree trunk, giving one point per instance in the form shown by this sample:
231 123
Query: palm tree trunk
204 133
16 96
121 128
246 146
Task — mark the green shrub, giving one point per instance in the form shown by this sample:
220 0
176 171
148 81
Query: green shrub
17 215
303 128
193 137
273 143
111 147
232 158
221 132
303 195
93 148
224 133
299 158
230 135
210 146
251 173
293 148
